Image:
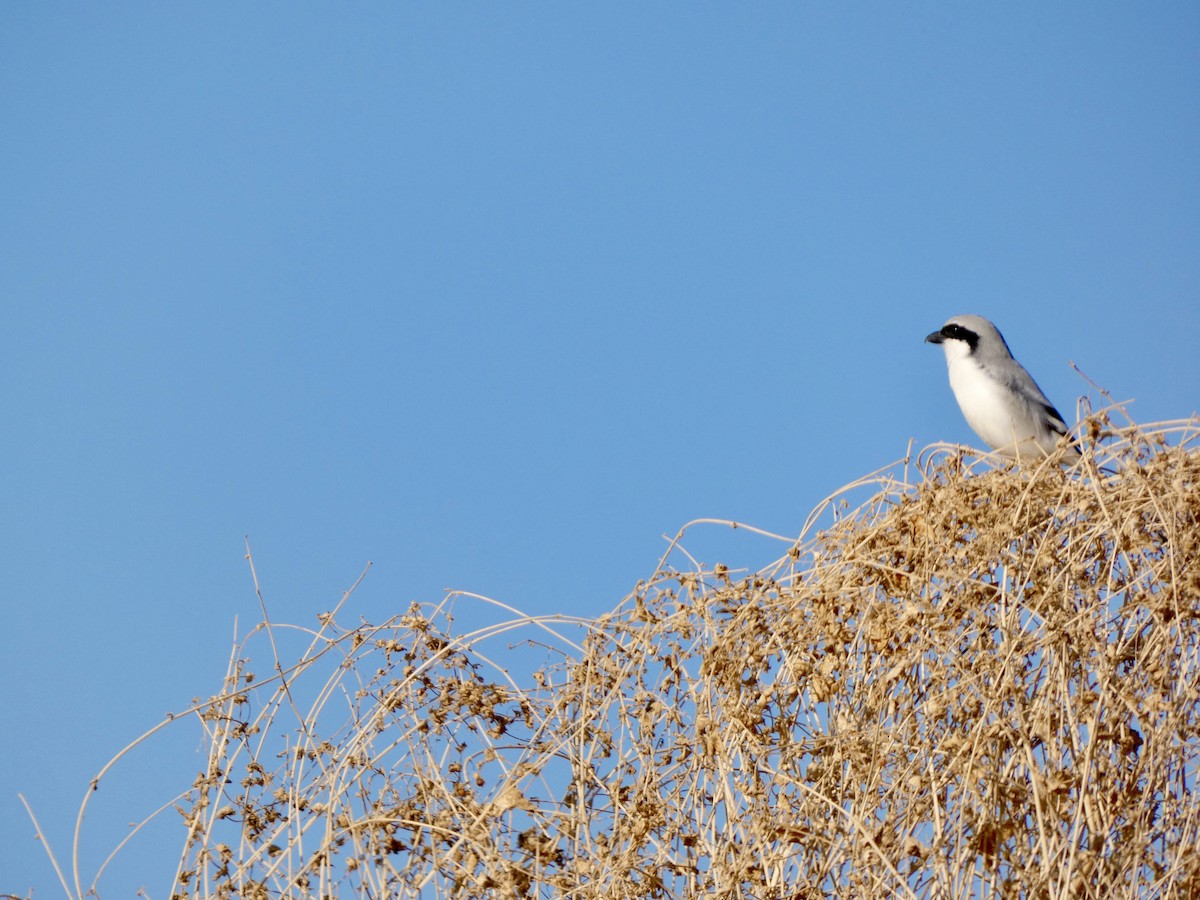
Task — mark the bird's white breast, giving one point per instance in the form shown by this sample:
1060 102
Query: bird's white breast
1004 421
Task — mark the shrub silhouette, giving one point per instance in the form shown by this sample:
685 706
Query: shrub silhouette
982 681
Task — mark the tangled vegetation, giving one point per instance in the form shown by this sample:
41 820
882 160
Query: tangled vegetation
984 681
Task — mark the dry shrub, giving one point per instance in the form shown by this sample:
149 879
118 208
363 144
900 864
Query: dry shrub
984 681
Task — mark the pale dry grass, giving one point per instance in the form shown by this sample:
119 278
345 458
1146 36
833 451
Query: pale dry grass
984 681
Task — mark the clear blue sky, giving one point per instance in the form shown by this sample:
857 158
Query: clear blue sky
494 295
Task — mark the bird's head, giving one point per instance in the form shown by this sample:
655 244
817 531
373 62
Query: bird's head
968 335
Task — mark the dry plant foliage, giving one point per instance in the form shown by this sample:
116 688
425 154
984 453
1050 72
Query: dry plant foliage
982 682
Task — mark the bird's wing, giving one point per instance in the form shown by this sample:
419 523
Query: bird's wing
1055 420
1022 384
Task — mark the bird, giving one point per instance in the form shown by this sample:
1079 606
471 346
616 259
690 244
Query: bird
998 398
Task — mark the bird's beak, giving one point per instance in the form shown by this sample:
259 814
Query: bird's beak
936 338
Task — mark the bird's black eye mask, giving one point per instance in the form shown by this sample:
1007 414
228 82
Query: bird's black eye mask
956 332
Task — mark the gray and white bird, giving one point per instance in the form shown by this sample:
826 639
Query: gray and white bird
998 398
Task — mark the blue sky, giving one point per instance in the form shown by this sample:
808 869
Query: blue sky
496 295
